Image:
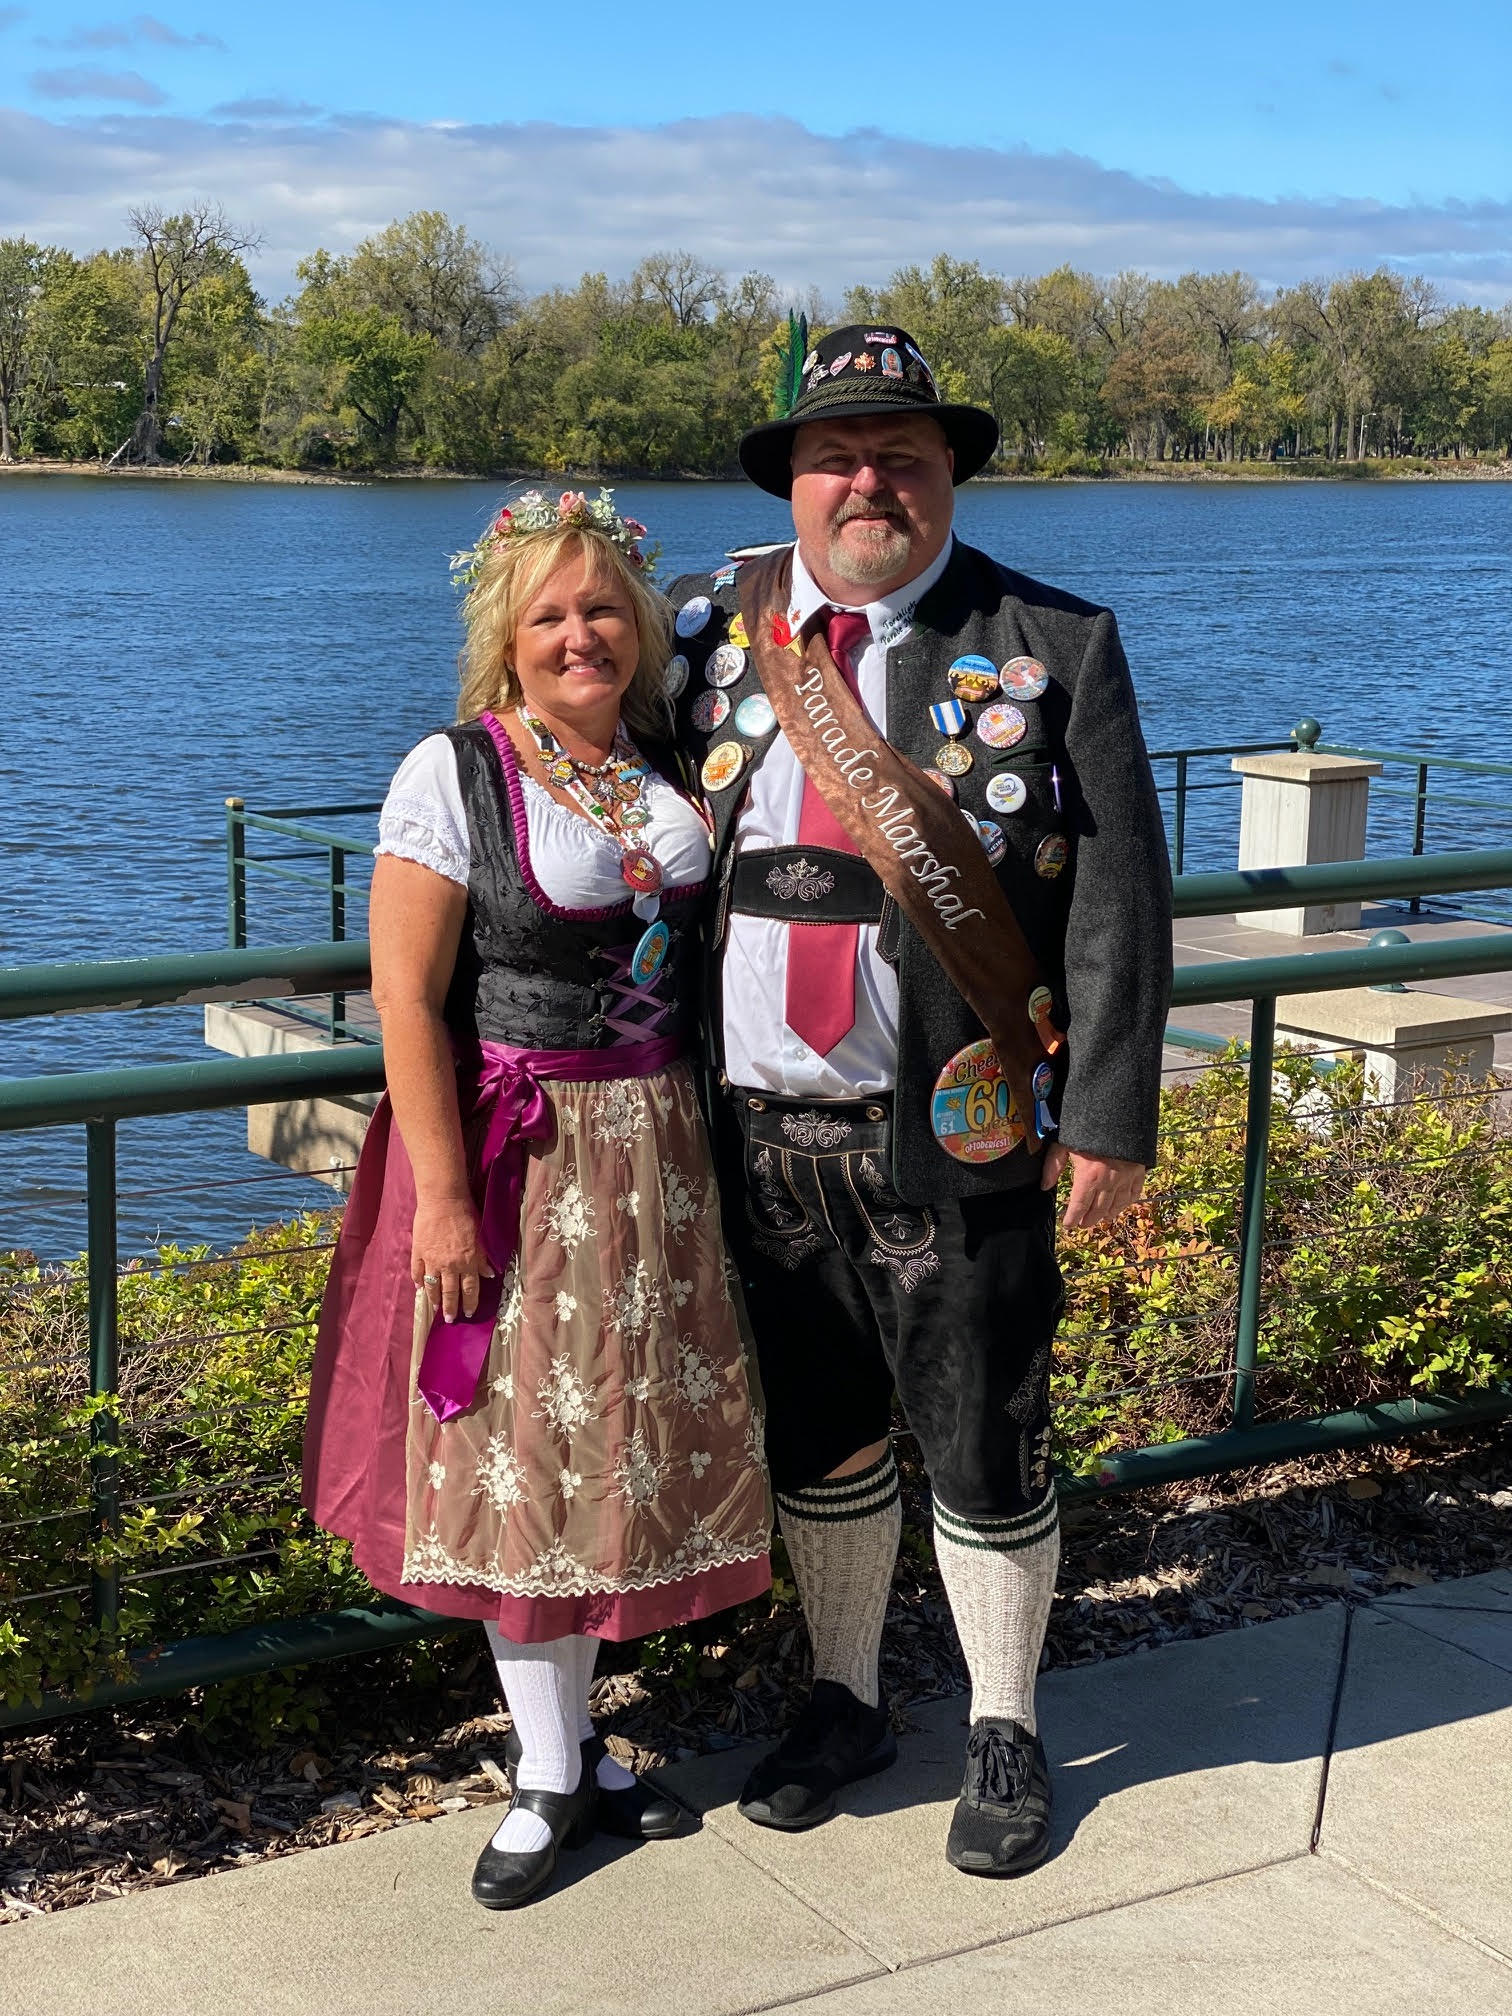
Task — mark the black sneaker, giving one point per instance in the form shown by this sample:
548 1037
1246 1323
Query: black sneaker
1001 1824
835 1740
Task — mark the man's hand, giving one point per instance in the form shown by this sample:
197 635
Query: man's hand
1102 1187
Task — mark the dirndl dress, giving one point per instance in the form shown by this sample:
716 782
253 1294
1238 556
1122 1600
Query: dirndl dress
604 1471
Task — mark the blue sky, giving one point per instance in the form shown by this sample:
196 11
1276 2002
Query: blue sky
825 143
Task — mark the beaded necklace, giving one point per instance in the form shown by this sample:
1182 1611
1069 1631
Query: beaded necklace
613 794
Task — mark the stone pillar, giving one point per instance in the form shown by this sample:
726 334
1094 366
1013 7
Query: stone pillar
1412 1043
1300 807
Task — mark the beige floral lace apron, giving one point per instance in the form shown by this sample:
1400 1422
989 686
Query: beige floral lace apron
615 1446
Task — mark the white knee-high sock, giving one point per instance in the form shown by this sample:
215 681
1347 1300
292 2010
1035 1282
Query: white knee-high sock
1000 1576
541 1691
612 1775
842 1539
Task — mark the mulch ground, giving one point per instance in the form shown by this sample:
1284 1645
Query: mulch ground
117 1801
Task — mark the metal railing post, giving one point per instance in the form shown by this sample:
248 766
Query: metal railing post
1181 787
236 875
1419 824
1252 1209
104 1358
338 926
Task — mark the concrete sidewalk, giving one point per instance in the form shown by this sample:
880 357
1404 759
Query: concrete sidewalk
1306 1817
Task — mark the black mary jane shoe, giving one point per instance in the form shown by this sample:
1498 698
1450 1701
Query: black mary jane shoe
507 1877
1001 1825
633 1813
835 1740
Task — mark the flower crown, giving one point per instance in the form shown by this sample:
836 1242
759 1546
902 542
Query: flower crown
534 512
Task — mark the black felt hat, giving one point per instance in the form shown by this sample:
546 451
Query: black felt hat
860 372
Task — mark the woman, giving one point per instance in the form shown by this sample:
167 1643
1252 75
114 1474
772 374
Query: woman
529 1403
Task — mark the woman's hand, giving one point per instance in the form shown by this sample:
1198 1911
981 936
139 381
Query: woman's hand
446 1259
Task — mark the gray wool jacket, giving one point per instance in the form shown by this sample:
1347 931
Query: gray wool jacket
1101 929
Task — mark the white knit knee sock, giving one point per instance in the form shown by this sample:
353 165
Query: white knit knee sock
842 1539
1000 1576
611 1775
542 1693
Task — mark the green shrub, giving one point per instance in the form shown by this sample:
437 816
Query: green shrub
1388 1270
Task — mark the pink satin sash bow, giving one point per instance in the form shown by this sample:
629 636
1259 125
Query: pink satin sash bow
507 1083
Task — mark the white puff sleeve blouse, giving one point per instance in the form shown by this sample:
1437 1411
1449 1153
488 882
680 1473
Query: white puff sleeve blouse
576 864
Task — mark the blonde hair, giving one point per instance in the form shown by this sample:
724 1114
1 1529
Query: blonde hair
511 575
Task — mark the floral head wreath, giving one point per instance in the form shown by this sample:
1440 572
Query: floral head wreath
534 512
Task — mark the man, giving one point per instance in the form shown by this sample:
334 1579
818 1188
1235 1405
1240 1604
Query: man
904 1004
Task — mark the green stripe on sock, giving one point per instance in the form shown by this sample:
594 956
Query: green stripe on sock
999 1536
840 1514
842 1490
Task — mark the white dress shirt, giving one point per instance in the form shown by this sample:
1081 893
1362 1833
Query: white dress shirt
760 1050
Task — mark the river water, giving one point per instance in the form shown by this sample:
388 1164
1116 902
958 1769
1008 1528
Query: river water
163 644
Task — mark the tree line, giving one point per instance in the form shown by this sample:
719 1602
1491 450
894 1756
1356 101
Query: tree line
419 349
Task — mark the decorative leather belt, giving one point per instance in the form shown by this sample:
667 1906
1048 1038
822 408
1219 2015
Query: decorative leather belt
815 1126
806 885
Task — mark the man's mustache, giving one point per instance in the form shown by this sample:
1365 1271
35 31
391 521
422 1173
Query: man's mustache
871 507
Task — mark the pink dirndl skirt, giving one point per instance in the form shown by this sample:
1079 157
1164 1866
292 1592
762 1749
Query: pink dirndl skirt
608 1476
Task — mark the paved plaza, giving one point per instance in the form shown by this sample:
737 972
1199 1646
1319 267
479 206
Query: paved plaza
1304 1817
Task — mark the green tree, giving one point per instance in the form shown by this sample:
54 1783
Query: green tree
219 367
23 266
91 337
1034 376
375 367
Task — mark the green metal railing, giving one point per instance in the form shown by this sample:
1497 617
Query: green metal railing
339 888
1182 786
101 1099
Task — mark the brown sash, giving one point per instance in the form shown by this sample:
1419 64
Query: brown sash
904 825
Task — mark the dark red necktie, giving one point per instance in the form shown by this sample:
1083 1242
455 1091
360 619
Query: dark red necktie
821 963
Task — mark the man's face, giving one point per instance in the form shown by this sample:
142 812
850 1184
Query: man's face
872 499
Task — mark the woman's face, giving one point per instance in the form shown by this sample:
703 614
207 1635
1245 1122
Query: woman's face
577 645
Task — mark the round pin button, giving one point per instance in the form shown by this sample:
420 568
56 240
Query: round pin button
1006 791
946 784
650 954
737 631
693 616
676 676
971 1111
973 678
755 717
641 870
1024 678
1051 855
1043 1080
725 665
994 840
1001 725
710 710
1041 1006
954 758
723 764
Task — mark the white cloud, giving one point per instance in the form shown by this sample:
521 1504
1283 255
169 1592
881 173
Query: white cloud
741 192
83 80
266 108
141 28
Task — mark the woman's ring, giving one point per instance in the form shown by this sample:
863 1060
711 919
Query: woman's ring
432 1281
